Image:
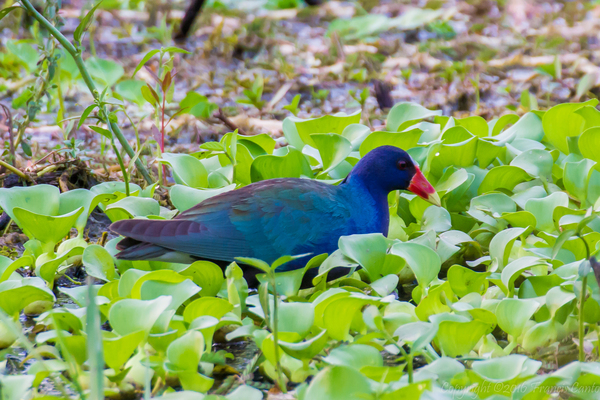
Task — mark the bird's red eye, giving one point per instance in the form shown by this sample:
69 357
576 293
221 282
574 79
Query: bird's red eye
402 164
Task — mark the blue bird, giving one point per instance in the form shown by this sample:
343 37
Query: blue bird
277 217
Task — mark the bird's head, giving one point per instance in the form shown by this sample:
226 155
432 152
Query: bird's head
389 168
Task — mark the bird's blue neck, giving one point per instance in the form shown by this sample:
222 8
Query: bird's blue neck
366 190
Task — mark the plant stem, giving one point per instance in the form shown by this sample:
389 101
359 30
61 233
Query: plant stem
275 328
15 170
581 304
76 54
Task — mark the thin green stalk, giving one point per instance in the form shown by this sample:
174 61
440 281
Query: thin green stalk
76 54
275 328
14 170
581 304
120 160
407 356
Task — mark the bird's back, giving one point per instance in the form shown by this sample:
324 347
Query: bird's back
264 220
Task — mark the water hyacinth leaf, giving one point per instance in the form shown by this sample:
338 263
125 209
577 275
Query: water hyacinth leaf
131 207
370 251
291 165
187 170
576 177
535 162
405 114
589 144
9 267
212 306
41 199
296 317
333 148
502 243
118 350
185 197
464 281
184 353
457 338
131 315
404 140
307 349
419 334
355 356
474 124
560 303
505 369
562 121
338 383
15 296
16 387
437 219
424 262
297 131
37 225
503 177
513 314
99 263
47 270
543 209
73 199
540 335
163 275
339 313
207 275
356 134
513 270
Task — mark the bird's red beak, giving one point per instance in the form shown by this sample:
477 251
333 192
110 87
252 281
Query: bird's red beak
422 188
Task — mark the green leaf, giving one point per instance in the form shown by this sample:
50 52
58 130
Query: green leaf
513 270
371 252
576 177
187 170
536 163
85 23
338 383
144 60
131 315
355 356
405 114
207 275
104 132
333 148
464 281
561 122
423 261
513 314
503 177
457 338
85 114
107 71
404 140
15 296
184 197
293 164
99 263
117 350
47 229
543 209
297 131
589 145
5 11
475 125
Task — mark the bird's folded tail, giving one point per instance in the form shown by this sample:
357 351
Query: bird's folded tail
144 239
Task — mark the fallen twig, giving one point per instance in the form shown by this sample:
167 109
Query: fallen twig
229 123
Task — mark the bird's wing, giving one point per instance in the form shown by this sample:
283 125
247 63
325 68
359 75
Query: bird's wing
265 220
